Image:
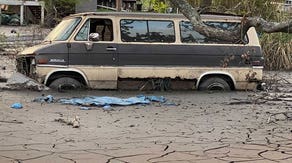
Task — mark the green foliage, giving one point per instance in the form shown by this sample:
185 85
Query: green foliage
159 6
57 9
48 2
62 6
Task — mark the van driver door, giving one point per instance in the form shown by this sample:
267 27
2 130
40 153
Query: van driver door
94 52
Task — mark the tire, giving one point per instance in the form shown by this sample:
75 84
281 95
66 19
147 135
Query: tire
214 84
66 83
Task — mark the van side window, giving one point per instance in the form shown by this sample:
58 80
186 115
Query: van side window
134 31
83 33
103 27
189 35
161 31
147 31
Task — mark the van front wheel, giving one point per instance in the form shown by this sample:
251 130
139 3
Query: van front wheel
214 83
66 83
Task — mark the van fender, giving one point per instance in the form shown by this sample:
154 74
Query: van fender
67 70
215 73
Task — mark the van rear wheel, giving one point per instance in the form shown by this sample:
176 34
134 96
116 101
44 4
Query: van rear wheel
66 83
214 84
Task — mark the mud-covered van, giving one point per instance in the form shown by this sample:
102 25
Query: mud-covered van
107 50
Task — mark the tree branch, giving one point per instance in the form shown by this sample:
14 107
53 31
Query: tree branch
269 27
193 15
235 35
188 11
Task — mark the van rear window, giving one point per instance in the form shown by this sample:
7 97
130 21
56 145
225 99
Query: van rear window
147 31
189 35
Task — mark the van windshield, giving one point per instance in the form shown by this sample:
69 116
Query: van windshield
63 30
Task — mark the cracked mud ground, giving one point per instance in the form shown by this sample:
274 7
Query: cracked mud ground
203 127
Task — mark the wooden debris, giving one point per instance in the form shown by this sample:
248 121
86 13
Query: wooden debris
272 117
75 122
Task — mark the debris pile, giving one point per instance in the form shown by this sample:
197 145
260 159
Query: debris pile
277 92
19 81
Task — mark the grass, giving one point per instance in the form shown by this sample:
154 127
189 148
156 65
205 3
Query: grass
277 49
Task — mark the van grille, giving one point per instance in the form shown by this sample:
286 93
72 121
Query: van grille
24 66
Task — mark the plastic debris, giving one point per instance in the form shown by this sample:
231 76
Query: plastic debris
156 98
10 19
16 106
170 104
48 99
106 107
14 20
85 108
5 19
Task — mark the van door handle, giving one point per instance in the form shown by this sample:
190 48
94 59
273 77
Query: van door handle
111 49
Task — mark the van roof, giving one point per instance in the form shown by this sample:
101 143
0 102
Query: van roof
155 15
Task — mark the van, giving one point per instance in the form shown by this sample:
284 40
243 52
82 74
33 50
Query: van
103 50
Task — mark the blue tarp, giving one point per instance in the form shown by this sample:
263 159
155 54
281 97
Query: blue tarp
104 101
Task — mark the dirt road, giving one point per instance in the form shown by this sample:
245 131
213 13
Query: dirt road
200 127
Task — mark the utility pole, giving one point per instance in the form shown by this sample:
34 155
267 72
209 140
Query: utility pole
119 5
0 14
22 13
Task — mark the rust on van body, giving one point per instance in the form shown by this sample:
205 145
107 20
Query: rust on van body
108 76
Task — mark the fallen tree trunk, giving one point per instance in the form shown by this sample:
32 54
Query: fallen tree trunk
235 35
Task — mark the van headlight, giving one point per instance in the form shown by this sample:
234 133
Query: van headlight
33 61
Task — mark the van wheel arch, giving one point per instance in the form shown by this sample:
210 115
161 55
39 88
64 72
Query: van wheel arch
222 80
68 74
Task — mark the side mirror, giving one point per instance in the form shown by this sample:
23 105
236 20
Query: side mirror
94 37
89 45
